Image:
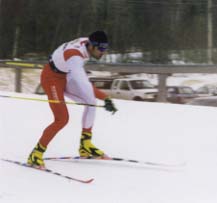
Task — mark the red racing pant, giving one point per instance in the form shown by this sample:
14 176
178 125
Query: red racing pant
54 86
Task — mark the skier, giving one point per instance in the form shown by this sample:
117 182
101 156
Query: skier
65 75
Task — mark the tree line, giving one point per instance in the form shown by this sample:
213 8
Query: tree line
159 29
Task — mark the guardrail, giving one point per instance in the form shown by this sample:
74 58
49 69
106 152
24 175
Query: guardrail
163 71
18 67
153 68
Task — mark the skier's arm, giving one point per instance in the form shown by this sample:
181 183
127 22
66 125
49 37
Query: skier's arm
109 105
99 94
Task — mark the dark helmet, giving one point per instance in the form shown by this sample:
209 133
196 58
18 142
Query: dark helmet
99 39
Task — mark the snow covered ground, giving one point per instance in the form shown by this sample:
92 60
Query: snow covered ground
154 132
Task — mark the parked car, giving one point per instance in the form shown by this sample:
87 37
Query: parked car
204 101
127 88
207 90
180 94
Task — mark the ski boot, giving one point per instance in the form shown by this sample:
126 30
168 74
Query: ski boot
87 149
36 156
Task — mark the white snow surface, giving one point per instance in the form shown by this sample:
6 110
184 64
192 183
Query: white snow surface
164 133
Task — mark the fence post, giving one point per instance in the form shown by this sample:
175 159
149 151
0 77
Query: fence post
18 78
162 90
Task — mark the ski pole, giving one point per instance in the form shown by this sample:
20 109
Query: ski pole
50 101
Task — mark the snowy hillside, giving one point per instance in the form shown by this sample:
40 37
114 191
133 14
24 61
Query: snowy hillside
162 133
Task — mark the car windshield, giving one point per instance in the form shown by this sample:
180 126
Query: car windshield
141 84
186 90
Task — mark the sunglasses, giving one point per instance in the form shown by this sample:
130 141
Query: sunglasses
103 46
102 49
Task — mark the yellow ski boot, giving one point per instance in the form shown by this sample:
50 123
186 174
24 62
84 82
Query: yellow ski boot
87 149
36 156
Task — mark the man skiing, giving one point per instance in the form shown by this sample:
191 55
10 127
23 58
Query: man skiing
65 75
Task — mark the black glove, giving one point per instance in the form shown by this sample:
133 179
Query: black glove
109 105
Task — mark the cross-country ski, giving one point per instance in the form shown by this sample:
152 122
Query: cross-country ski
121 160
50 171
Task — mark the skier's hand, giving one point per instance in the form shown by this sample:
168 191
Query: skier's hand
109 105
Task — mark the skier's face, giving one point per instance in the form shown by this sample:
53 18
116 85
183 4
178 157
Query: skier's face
95 52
